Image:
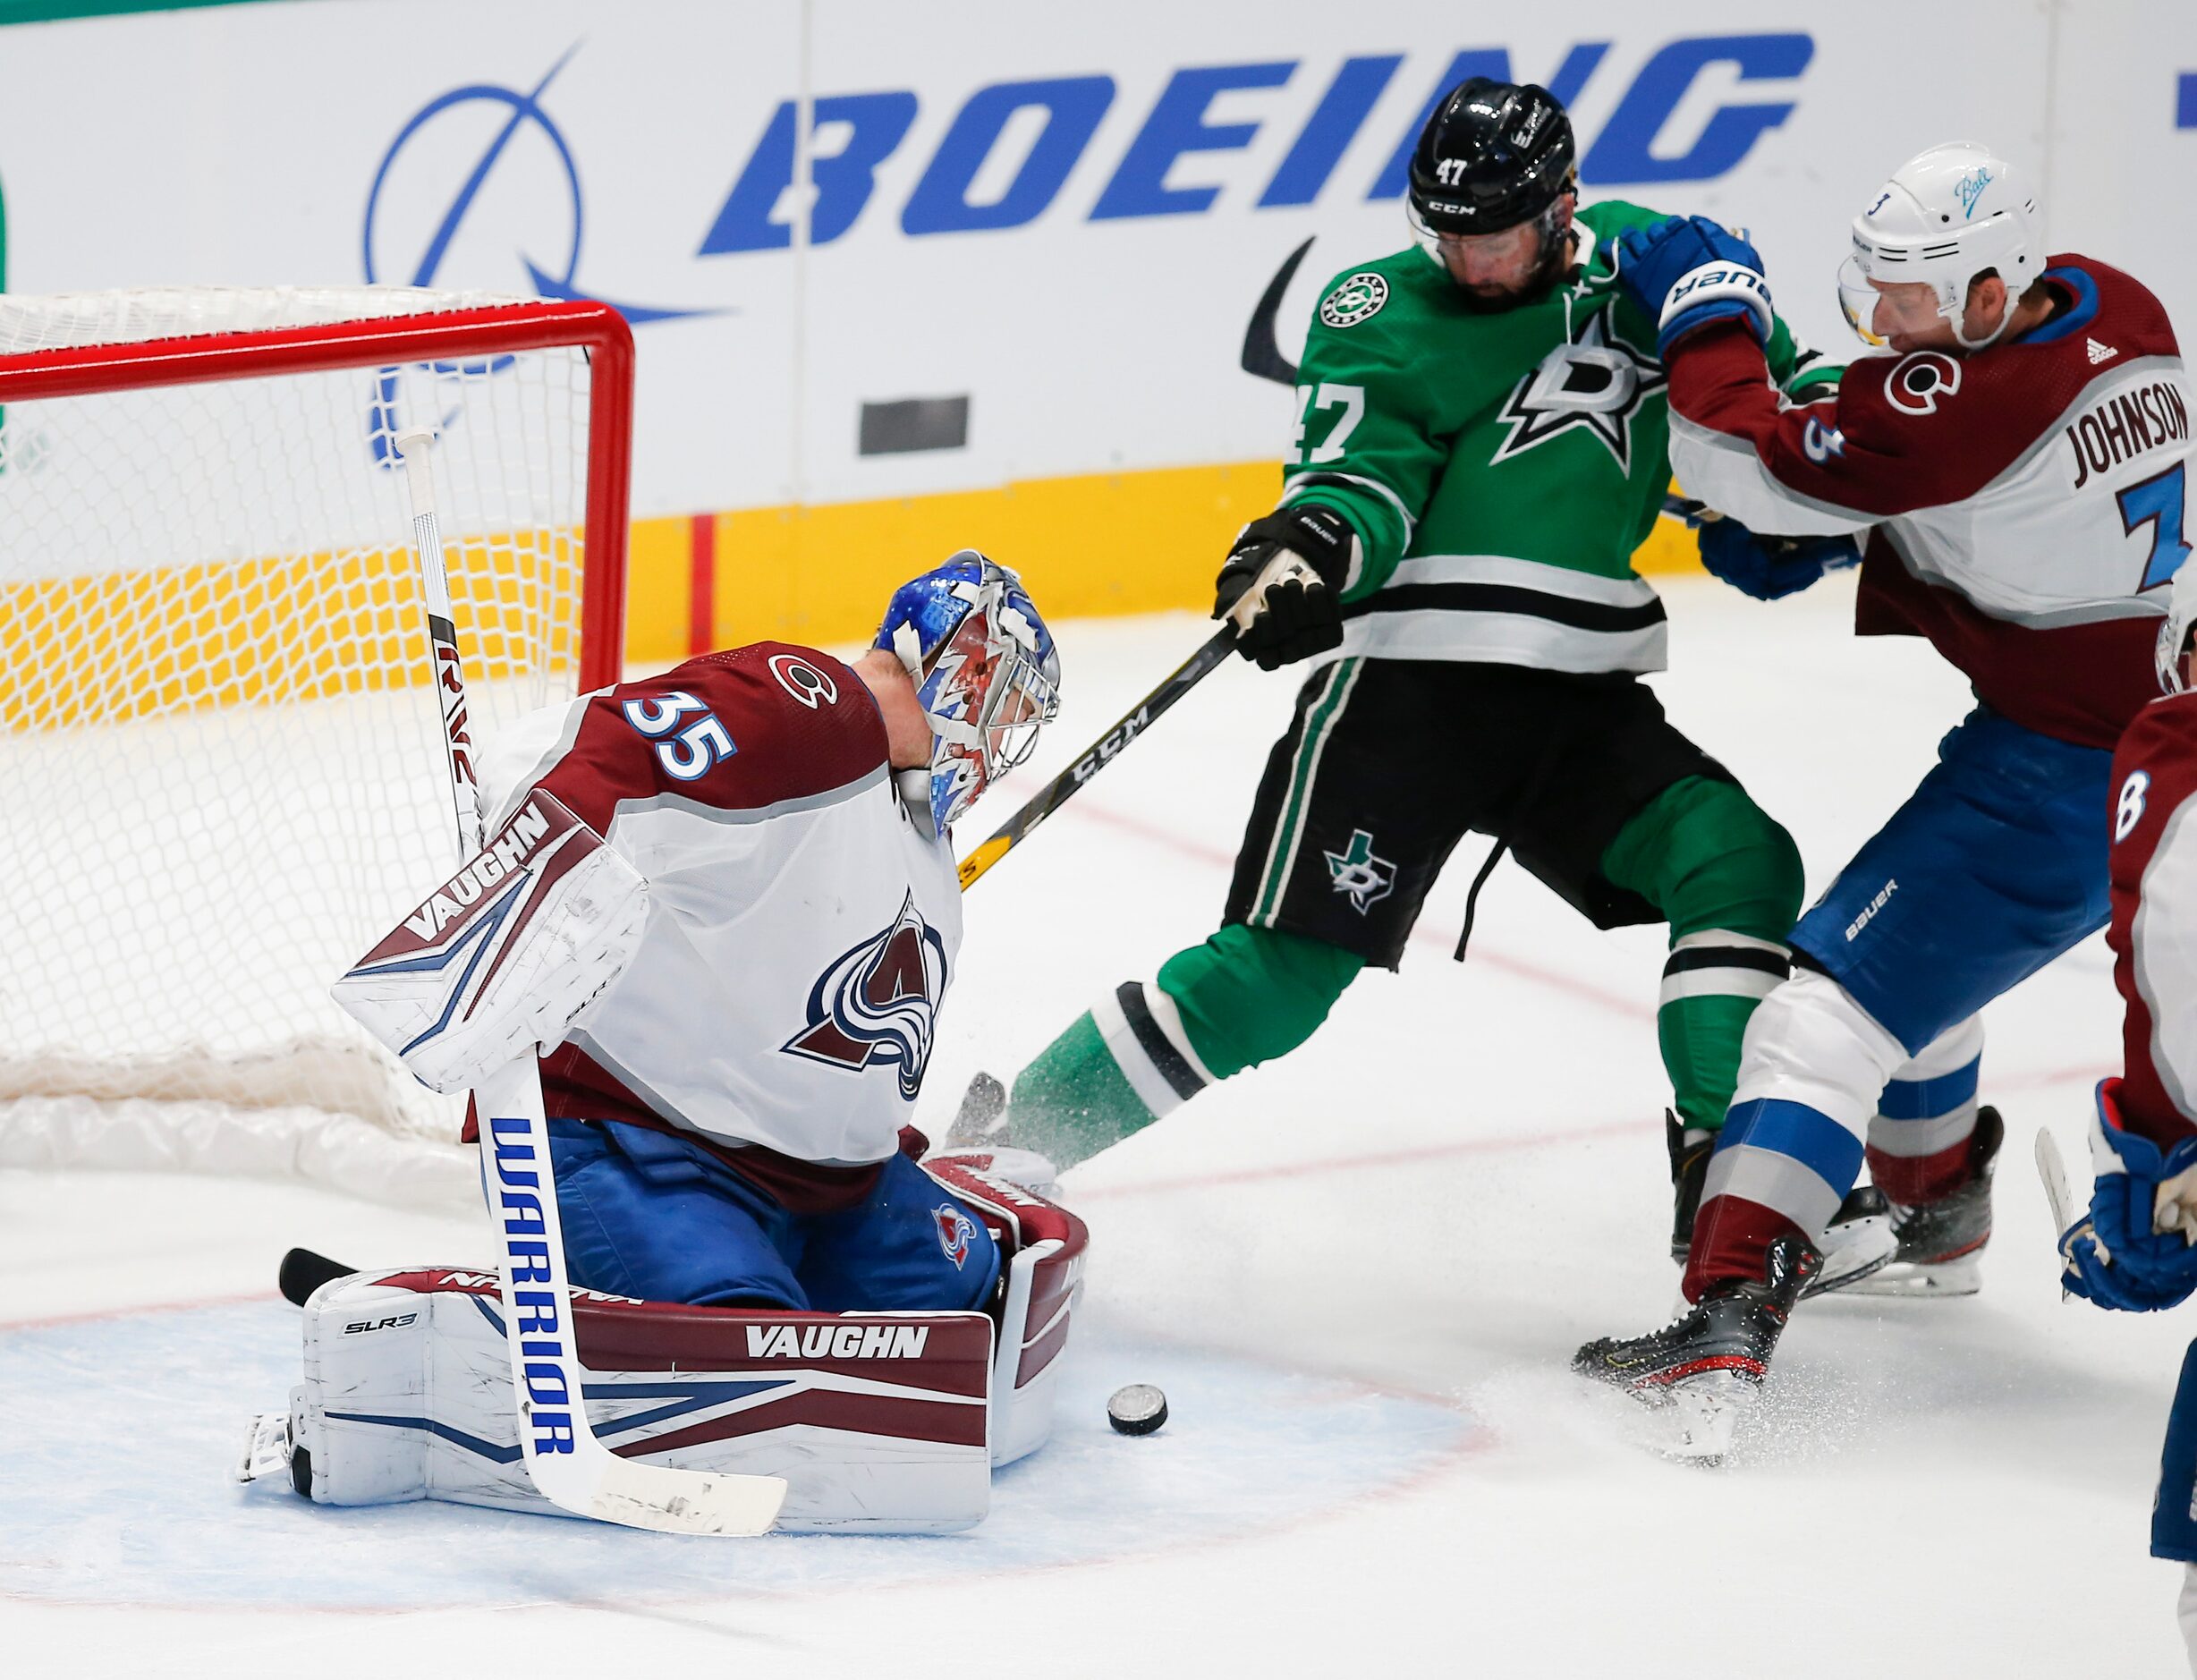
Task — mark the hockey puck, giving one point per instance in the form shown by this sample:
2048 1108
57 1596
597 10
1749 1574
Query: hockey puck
1137 1410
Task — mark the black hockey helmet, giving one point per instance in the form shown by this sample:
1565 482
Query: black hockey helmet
1493 155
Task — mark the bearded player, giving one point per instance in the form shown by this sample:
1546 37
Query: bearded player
1479 449
2016 456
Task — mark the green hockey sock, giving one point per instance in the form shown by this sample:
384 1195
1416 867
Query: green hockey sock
1243 996
1728 880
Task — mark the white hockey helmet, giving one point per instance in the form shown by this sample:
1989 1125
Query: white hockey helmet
1946 216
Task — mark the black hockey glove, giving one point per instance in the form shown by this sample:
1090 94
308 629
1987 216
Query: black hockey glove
1297 619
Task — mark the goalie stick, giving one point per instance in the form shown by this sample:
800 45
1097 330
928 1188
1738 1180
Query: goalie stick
2066 1211
568 1463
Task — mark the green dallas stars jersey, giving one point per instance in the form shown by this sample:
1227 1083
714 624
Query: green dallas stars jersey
1499 468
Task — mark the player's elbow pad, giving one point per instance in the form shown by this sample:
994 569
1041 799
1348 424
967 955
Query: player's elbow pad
506 954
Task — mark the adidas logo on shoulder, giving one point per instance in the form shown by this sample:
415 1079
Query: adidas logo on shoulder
2099 353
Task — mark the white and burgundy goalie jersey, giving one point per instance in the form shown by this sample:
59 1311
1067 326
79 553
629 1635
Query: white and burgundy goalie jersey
2026 503
2154 929
803 920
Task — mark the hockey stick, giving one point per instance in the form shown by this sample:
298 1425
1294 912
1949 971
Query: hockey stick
1285 566
1055 793
569 1464
2052 1168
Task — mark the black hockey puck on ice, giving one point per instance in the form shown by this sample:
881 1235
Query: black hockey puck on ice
1137 1410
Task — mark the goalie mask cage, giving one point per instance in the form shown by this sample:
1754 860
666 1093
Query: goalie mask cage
222 769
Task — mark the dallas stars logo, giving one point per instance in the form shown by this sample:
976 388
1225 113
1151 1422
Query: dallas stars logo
1598 384
1357 872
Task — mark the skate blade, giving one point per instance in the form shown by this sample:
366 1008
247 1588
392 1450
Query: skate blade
1692 1421
266 1447
1851 1255
1913 1280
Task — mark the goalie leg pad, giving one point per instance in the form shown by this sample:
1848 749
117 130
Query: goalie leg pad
886 1423
506 954
878 1421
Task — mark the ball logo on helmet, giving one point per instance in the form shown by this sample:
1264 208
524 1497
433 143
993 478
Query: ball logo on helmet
1359 298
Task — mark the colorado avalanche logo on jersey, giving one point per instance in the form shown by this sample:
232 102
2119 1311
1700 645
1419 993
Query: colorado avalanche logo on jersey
957 1231
880 1002
1920 379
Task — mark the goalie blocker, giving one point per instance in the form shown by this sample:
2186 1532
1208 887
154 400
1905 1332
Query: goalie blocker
505 955
880 1423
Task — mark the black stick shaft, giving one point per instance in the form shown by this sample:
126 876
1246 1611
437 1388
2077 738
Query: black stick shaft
1056 793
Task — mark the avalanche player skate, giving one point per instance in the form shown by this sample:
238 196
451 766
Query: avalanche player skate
1941 1242
1860 1243
2018 464
1710 1361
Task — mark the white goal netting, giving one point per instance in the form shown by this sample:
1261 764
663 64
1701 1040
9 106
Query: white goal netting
221 764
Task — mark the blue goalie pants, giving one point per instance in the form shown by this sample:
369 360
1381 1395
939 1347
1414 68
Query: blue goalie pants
1994 866
653 1215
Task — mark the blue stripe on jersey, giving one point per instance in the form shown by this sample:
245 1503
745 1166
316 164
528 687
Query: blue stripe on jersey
1926 1099
1793 1129
2084 312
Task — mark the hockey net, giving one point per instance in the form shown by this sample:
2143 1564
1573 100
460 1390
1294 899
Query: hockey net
221 761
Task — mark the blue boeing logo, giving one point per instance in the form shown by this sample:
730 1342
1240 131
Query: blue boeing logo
526 113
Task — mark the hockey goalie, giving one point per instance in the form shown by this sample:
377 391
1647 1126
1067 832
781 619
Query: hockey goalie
723 904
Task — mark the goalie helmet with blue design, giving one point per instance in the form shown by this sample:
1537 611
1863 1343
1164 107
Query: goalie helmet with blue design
985 669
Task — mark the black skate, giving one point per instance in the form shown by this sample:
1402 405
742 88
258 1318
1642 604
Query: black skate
1857 1244
1708 1363
1940 1244
1690 1152
981 1137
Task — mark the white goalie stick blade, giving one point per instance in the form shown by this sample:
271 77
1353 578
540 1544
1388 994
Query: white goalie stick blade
568 1464
2066 1211
506 953
2052 1168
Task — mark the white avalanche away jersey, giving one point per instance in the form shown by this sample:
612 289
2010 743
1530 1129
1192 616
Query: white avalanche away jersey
803 920
2026 505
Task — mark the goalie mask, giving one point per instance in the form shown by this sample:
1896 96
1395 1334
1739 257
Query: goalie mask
985 672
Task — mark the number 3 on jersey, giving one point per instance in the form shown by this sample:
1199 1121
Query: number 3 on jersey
690 750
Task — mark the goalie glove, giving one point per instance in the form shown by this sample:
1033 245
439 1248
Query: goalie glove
506 954
1282 584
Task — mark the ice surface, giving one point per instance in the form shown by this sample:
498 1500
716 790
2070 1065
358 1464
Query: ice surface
1358 1273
